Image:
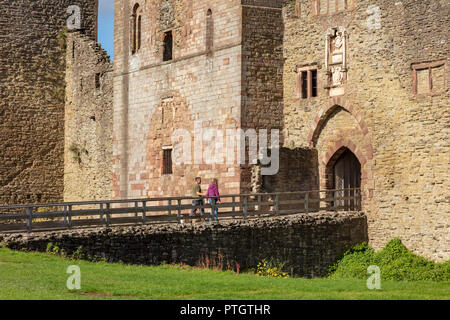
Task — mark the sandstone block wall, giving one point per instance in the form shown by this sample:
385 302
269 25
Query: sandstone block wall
308 244
235 83
198 89
32 69
400 138
88 121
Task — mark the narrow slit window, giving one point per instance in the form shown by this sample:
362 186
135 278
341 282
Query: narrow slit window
304 84
139 25
167 161
97 80
314 83
209 31
136 24
168 46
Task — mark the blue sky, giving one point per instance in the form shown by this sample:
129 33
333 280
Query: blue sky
106 25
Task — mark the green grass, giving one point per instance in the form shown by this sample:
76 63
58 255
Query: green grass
43 276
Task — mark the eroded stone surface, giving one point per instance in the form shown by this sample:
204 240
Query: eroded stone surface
307 243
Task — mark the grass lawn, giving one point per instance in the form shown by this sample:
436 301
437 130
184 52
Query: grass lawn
43 276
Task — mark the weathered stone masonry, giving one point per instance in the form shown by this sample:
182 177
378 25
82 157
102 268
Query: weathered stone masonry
232 83
400 138
88 121
235 64
32 87
153 98
307 243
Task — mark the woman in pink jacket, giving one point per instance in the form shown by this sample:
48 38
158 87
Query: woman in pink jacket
213 198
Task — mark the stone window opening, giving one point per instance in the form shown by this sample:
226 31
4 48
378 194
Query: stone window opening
136 27
307 83
168 46
428 78
209 31
167 165
327 7
97 80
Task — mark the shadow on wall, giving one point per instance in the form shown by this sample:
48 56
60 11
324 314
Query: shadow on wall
299 171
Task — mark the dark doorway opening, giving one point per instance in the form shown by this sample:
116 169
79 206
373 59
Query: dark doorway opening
344 177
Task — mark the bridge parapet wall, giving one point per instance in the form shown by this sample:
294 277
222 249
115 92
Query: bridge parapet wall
307 243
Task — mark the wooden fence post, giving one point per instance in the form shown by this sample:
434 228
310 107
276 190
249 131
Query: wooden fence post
259 205
65 214
234 205
136 209
277 204
144 211
170 207
69 217
307 202
101 212
29 218
335 201
108 207
245 207
179 211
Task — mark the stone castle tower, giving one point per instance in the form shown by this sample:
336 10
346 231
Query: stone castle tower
358 88
32 96
191 65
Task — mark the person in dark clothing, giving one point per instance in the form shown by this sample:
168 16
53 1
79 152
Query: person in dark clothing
197 193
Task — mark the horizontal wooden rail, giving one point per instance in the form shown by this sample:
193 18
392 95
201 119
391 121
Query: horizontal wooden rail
67 215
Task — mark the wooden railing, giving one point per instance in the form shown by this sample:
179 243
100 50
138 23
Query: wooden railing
40 217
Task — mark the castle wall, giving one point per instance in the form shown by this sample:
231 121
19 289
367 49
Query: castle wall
307 244
32 68
196 90
88 121
262 72
399 137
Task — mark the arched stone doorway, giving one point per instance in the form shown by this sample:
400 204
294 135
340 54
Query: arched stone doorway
344 175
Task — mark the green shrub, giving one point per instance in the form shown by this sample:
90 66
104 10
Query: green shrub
396 262
78 254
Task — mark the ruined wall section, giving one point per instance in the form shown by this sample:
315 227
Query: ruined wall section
400 138
32 68
88 121
262 70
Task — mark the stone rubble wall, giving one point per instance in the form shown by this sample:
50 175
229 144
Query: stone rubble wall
32 87
308 244
88 121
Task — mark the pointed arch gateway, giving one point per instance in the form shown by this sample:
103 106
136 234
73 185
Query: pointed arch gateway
332 144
